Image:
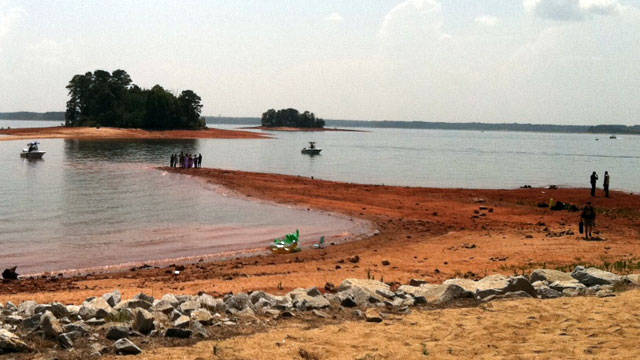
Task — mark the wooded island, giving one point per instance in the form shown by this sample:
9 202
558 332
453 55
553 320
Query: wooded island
111 99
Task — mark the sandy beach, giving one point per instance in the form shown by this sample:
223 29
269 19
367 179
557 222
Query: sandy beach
104 133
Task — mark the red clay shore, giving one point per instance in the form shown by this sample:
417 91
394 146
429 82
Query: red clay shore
427 233
92 133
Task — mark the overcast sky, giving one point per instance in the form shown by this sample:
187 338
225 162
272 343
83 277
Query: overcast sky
539 61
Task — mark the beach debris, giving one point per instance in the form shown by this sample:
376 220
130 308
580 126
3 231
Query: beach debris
320 244
354 259
287 244
385 263
10 273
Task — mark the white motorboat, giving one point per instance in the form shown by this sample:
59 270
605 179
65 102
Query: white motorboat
32 151
312 149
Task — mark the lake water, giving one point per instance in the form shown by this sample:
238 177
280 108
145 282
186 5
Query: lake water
96 203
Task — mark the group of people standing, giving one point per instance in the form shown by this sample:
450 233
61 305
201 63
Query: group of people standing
605 183
186 161
588 215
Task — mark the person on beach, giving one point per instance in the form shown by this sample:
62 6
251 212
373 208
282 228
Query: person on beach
199 160
172 162
594 179
588 217
605 184
181 158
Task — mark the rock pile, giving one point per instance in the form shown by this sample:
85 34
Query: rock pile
108 324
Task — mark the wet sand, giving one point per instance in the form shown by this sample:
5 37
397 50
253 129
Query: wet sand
103 133
427 233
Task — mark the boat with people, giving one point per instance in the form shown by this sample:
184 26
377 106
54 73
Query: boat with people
613 137
32 151
312 149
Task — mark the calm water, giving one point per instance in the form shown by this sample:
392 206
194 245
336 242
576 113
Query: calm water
91 203
439 158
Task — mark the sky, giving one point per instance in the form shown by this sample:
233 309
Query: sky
526 61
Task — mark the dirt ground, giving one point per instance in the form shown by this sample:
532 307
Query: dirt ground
564 328
433 234
89 133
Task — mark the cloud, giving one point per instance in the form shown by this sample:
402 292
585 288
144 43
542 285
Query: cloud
334 17
8 18
571 10
487 20
412 16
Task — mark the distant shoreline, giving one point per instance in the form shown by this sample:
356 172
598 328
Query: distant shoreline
292 129
610 129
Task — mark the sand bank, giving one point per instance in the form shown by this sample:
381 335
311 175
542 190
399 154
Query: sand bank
427 233
92 133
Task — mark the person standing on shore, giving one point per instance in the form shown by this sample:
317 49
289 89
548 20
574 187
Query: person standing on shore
588 217
605 184
199 160
594 179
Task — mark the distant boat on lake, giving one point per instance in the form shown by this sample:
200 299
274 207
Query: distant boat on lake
312 149
613 137
32 151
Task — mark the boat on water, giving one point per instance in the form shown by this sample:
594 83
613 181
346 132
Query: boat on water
32 151
312 149
613 137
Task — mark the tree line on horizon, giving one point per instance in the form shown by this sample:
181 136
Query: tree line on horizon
113 100
290 118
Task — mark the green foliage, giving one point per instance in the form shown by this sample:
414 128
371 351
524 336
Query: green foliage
291 118
104 99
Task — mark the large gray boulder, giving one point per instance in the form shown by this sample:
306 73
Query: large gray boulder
27 307
133 303
570 285
142 321
113 298
593 276
202 316
437 294
550 276
302 300
237 302
163 306
116 332
97 308
634 279
210 303
359 292
145 297
11 343
467 284
126 347
189 306
50 325
171 299
499 285
544 291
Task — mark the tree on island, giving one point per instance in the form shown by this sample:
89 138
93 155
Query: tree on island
104 99
291 118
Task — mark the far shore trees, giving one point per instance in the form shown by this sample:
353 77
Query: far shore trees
291 118
111 99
